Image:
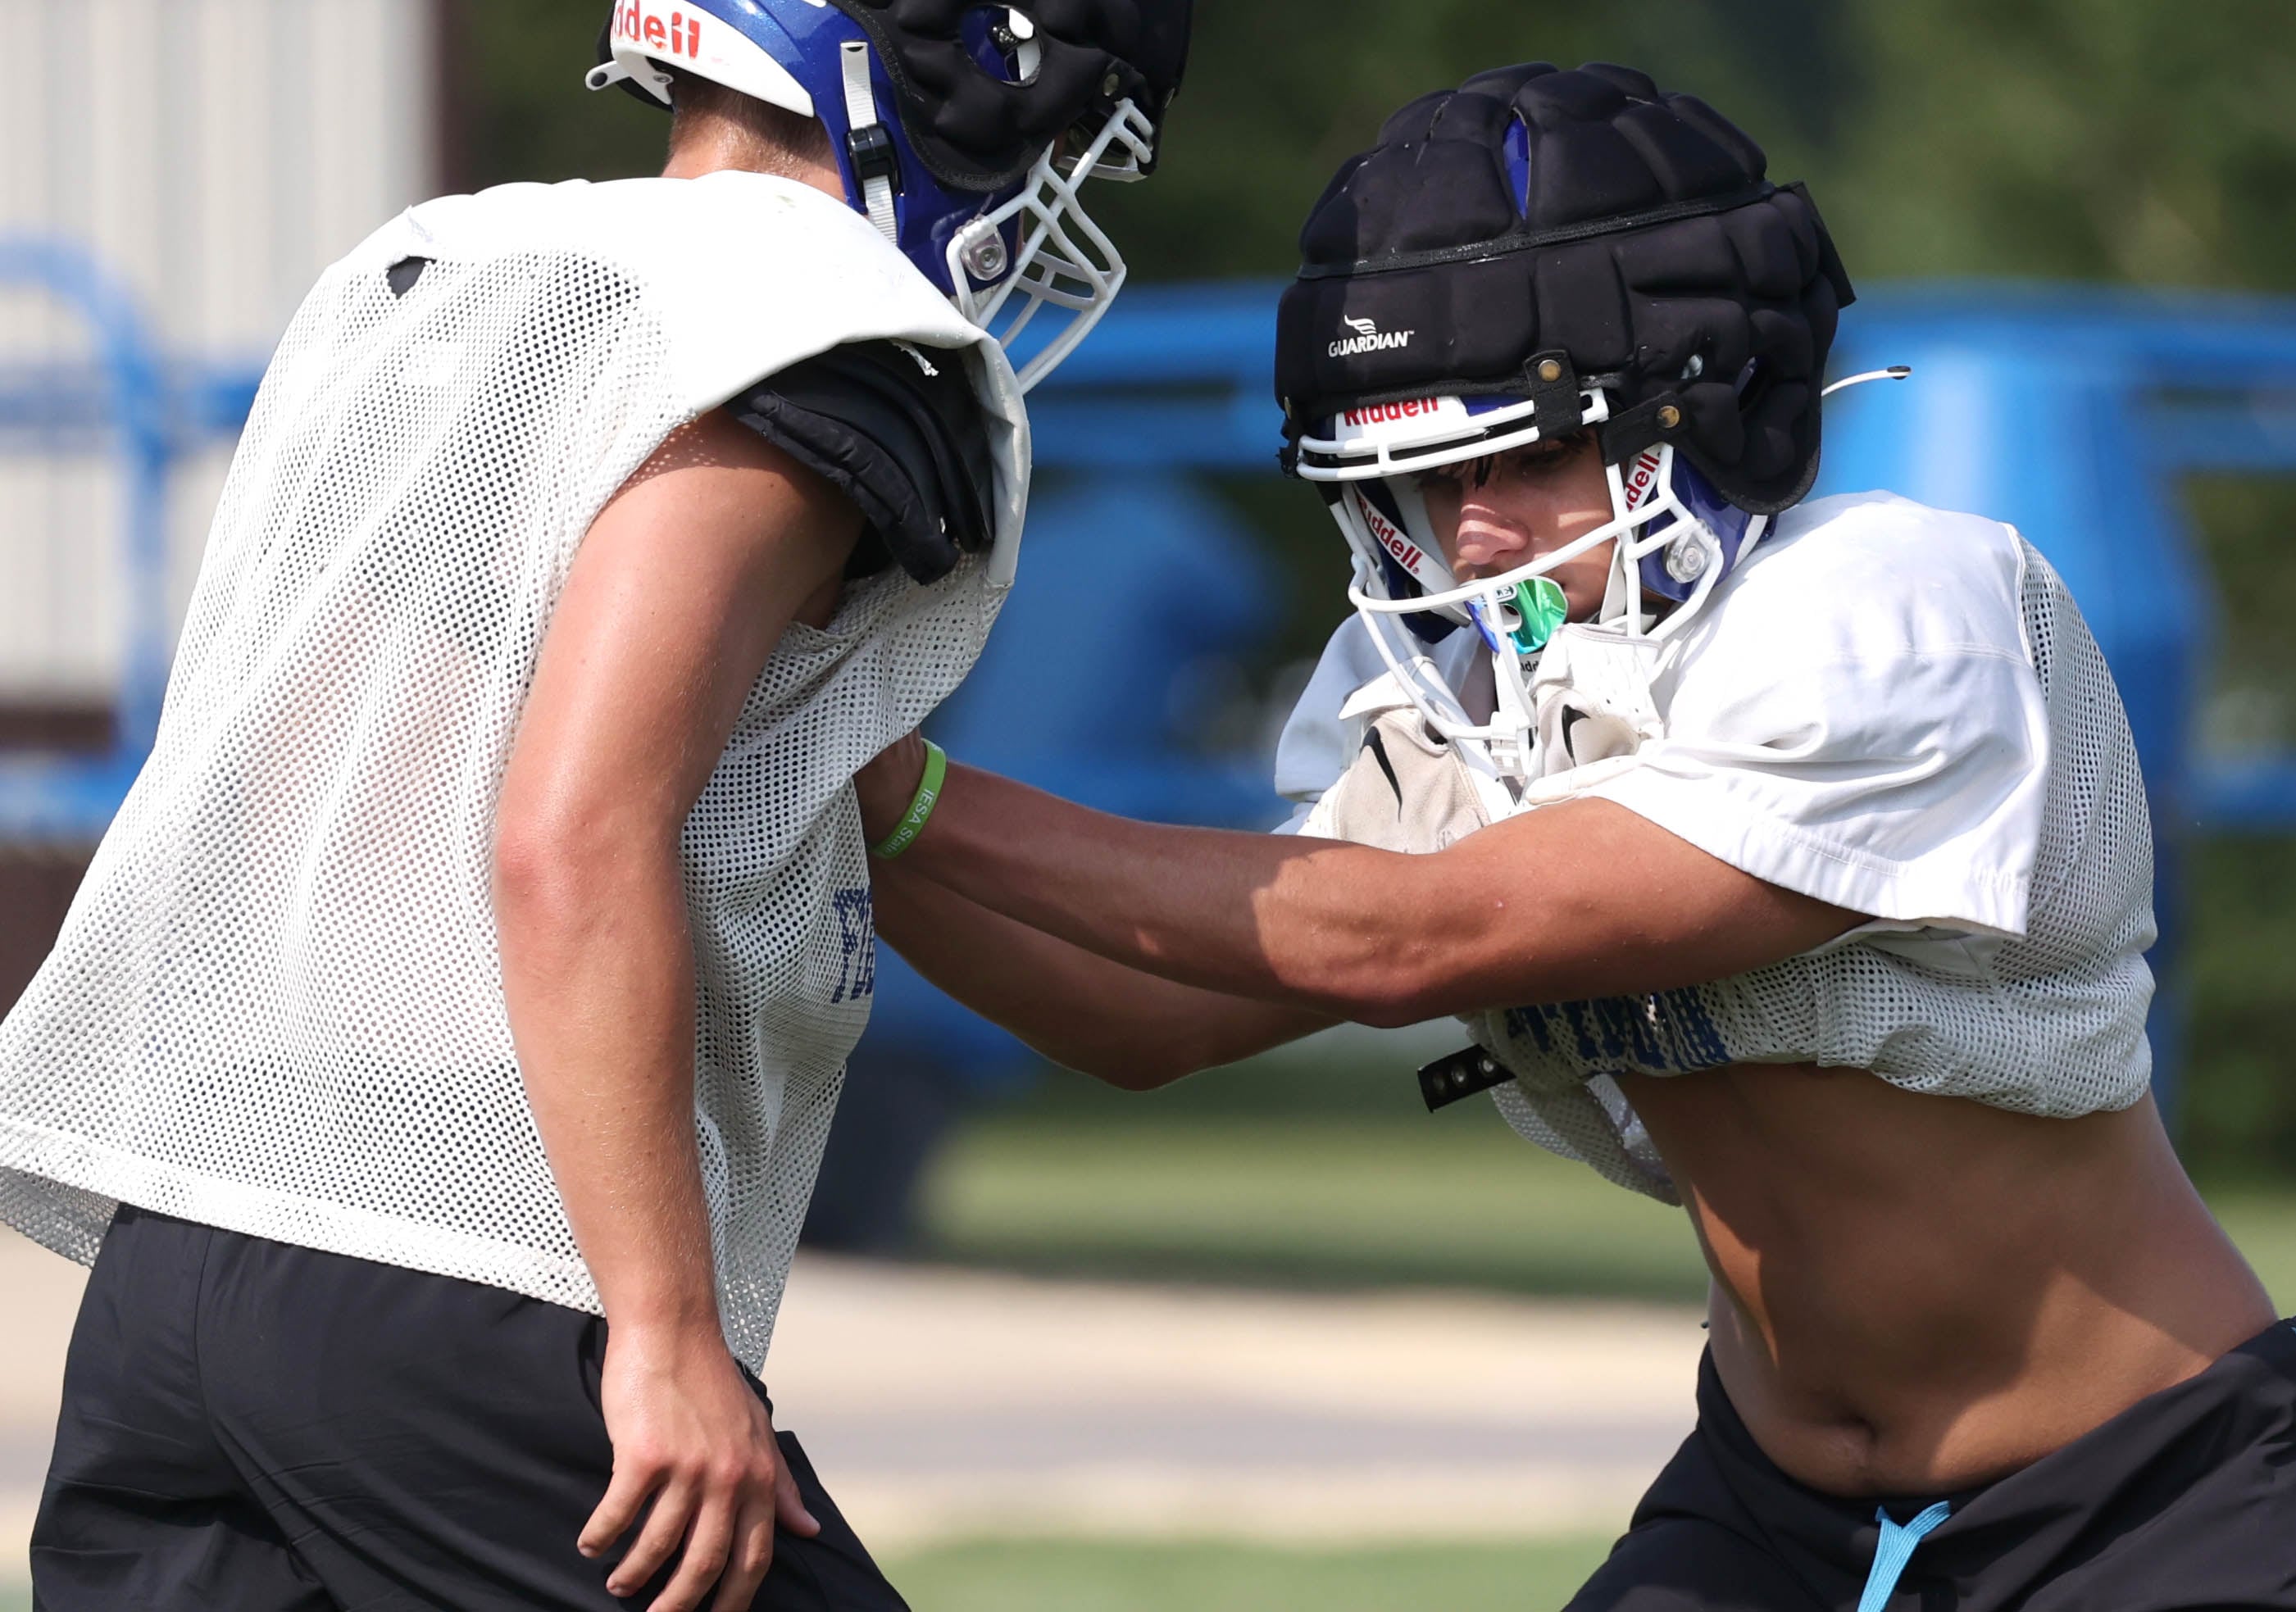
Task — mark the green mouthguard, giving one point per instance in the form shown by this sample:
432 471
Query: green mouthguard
1542 608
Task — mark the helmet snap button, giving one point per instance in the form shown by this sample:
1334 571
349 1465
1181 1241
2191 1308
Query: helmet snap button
1111 84
1548 370
985 258
1669 417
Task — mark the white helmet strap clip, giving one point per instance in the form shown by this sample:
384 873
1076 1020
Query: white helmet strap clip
868 142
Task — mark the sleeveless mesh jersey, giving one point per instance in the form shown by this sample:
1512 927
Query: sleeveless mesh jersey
276 1004
2048 1022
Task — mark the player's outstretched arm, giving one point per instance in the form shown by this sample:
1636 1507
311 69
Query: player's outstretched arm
1573 901
1084 1012
676 597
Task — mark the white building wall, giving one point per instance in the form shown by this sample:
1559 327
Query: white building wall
214 155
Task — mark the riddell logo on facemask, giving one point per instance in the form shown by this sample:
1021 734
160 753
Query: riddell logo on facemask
674 34
1368 338
1643 479
1394 541
1382 413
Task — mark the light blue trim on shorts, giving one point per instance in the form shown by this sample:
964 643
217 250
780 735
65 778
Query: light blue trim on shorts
1893 1550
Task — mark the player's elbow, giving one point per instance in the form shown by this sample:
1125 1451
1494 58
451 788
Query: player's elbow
1134 1067
551 870
532 876
1138 1077
1396 1009
1393 989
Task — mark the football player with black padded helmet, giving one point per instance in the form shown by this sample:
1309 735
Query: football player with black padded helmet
1786 859
437 1063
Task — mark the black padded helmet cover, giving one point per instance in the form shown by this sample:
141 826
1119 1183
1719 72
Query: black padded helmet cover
1634 232
977 132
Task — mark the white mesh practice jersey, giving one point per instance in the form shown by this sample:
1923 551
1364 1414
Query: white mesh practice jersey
1898 711
276 1005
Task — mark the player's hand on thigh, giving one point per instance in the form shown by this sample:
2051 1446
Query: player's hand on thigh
694 1456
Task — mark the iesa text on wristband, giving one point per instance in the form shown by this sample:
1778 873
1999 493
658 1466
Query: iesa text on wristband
921 809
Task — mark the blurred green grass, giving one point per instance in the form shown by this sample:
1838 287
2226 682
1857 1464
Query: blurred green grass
2263 1223
1104 1575
1330 1175
1315 1167
1307 1202
1091 1575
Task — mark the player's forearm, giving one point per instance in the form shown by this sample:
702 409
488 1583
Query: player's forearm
598 974
1079 1009
1312 925
1569 901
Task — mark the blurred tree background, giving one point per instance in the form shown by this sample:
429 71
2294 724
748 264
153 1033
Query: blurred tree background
2116 141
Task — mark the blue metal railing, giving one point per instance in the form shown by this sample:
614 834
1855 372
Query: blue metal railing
1176 379
2094 404
120 401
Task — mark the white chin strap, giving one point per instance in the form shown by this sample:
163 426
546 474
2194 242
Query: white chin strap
1502 745
860 114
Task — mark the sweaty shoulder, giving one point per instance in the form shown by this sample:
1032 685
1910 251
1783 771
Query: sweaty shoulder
1871 576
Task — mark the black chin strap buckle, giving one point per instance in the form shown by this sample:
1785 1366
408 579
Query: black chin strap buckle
871 148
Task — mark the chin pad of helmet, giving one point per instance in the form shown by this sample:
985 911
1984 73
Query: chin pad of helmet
1728 523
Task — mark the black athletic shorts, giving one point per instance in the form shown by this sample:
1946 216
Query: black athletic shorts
2186 1500
256 1427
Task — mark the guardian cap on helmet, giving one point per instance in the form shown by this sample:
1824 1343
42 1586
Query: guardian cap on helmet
1540 253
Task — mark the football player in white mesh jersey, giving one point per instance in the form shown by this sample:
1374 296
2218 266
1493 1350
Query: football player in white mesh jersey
1786 860
436 1061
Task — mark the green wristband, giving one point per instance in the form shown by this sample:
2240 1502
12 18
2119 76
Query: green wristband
921 809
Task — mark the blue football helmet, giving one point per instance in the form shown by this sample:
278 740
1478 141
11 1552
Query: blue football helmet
965 133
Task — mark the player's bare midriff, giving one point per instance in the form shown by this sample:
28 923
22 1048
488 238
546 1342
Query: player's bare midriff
1915 1294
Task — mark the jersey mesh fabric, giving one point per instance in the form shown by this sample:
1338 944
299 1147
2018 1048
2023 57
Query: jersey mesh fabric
276 1005
2051 1023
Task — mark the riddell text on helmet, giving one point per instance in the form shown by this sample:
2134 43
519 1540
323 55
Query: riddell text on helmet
1393 541
1381 414
1642 478
680 35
